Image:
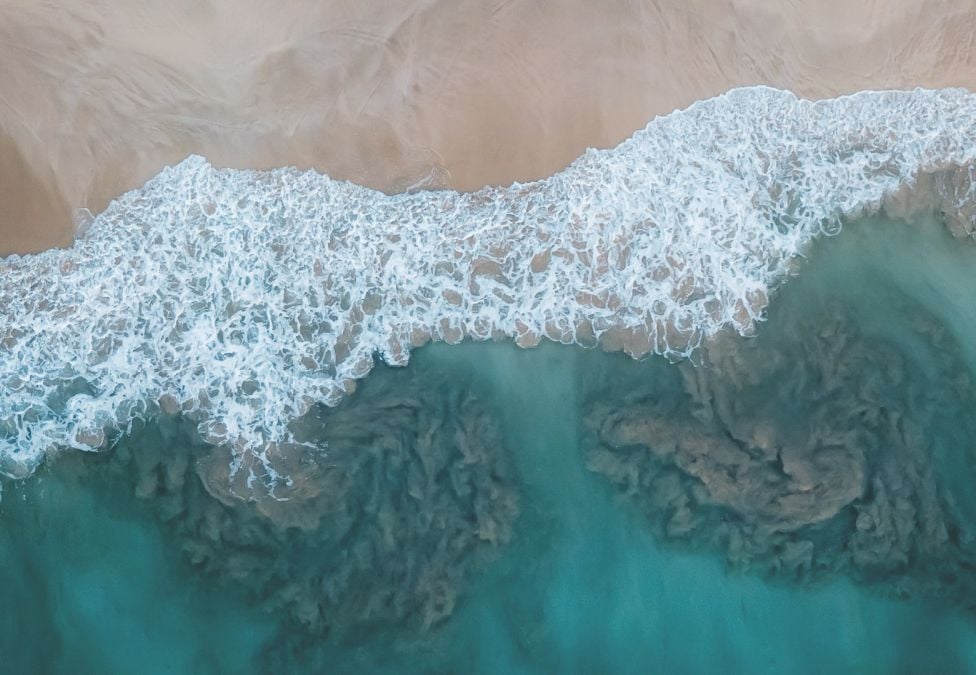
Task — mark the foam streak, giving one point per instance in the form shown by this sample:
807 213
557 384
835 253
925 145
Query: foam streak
242 298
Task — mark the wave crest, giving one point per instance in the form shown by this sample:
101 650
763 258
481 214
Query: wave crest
243 298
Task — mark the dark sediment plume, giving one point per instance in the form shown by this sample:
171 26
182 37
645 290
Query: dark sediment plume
386 503
819 447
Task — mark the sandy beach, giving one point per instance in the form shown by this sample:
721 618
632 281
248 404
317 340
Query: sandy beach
96 100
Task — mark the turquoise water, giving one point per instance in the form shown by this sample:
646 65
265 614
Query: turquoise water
92 586
589 581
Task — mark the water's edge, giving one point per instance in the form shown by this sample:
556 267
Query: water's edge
242 299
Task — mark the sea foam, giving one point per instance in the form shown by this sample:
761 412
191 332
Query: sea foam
242 298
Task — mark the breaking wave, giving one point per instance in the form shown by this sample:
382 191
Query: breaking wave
242 299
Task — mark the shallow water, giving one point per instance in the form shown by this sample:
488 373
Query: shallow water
590 580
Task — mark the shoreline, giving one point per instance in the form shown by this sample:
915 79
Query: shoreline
389 97
609 250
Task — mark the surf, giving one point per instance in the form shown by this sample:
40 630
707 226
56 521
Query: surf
242 299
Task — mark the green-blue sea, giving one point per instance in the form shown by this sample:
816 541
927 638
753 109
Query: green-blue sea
800 501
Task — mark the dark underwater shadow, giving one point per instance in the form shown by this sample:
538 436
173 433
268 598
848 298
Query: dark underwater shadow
839 441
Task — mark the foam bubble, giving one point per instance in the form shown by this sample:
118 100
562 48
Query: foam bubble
242 298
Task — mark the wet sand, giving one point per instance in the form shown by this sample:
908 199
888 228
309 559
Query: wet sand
96 100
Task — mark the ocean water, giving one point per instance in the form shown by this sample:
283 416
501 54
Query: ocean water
798 501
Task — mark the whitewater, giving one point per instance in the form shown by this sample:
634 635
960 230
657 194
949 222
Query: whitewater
240 299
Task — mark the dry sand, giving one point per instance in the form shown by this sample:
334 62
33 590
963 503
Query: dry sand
96 97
